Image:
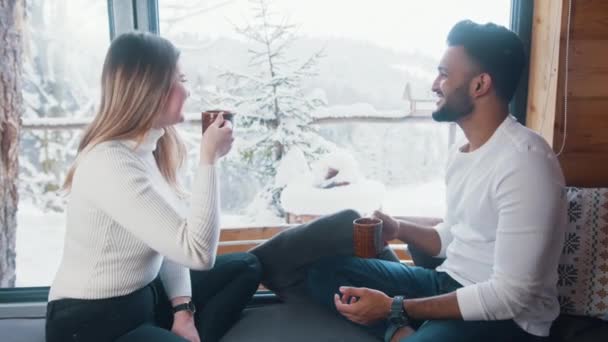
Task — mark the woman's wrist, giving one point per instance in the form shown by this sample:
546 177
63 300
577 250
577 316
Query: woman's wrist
206 159
181 315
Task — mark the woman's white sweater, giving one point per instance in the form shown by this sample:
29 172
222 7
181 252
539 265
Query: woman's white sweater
125 224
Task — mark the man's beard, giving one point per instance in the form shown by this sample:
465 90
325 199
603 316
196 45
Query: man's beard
455 106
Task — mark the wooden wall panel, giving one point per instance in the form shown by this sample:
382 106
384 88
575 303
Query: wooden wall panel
588 68
586 169
587 83
585 154
589 19
589 54
587 127
544 66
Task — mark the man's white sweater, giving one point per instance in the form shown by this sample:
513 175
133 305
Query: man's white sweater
504 227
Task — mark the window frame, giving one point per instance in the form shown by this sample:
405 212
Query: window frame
143 15
522 16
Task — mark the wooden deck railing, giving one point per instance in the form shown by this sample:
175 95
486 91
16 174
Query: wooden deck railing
54 124
245 238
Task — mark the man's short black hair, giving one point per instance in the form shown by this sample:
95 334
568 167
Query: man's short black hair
497 50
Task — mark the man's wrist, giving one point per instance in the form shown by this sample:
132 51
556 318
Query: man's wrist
400 227
387 307
406 306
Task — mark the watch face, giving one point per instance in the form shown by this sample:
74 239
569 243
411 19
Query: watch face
397 320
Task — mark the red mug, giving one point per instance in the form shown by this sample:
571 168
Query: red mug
367 237
207 117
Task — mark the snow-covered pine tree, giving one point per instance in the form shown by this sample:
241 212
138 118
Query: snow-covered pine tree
274 111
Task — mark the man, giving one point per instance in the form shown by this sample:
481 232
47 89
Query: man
502 234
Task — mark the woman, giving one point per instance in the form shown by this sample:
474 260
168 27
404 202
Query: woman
130 239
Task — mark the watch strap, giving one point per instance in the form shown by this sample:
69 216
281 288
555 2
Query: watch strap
390 331
189 306
398 318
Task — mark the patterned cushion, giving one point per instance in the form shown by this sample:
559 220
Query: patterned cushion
583 267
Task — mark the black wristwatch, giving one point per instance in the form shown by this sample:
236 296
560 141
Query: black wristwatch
185 307
397 318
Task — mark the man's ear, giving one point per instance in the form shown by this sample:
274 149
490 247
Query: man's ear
482 85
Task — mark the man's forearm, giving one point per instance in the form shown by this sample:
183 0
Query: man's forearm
438 307
419 231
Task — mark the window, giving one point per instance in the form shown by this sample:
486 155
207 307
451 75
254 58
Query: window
357 74
363 105
65 47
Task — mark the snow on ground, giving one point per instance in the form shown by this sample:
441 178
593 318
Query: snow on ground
39 244
364 196
40 234
293 166
425 199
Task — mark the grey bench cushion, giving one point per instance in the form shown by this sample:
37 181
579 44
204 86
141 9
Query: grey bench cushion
274 322
294 322
22 330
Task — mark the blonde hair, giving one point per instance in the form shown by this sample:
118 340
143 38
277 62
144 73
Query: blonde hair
136 81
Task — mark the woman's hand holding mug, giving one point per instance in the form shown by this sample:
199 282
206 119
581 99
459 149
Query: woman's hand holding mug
217 140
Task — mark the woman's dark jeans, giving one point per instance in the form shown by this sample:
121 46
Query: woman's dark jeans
219 294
